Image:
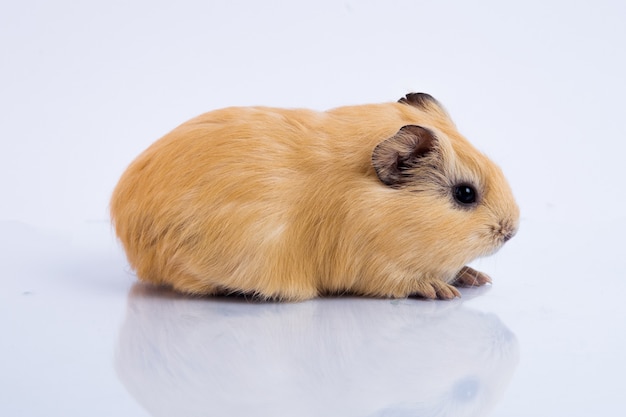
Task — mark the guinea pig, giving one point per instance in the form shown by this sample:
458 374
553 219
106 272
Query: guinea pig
379 200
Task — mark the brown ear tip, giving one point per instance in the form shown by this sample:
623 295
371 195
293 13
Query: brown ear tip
417 99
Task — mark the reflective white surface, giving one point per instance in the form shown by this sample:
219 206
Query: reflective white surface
538 86
347 357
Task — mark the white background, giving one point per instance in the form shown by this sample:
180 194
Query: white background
85 86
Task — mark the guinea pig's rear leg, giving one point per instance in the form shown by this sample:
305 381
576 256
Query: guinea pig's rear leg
469 277
434 288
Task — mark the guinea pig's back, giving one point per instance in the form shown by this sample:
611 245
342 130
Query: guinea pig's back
205 207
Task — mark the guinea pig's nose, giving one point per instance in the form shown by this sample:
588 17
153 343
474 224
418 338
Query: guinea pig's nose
509 235
507 230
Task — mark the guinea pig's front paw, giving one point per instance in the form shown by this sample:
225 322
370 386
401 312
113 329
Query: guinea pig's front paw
469 277
434 288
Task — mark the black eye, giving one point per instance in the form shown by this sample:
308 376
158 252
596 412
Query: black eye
464 194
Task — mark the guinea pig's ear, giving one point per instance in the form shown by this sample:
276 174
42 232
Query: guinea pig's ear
419 100
393 156
424 102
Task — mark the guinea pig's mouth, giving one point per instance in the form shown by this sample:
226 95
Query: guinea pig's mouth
497 236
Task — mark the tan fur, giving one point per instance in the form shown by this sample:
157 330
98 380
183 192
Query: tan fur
286 204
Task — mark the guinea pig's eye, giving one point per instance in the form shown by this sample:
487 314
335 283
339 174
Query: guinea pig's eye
464 194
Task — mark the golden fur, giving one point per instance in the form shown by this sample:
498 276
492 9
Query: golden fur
287 204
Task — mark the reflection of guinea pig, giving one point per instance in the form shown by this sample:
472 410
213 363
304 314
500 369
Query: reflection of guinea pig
328 357
385 200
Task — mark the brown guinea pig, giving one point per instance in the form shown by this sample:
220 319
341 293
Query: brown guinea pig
383 200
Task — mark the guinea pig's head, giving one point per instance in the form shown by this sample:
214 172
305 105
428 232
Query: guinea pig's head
465 204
